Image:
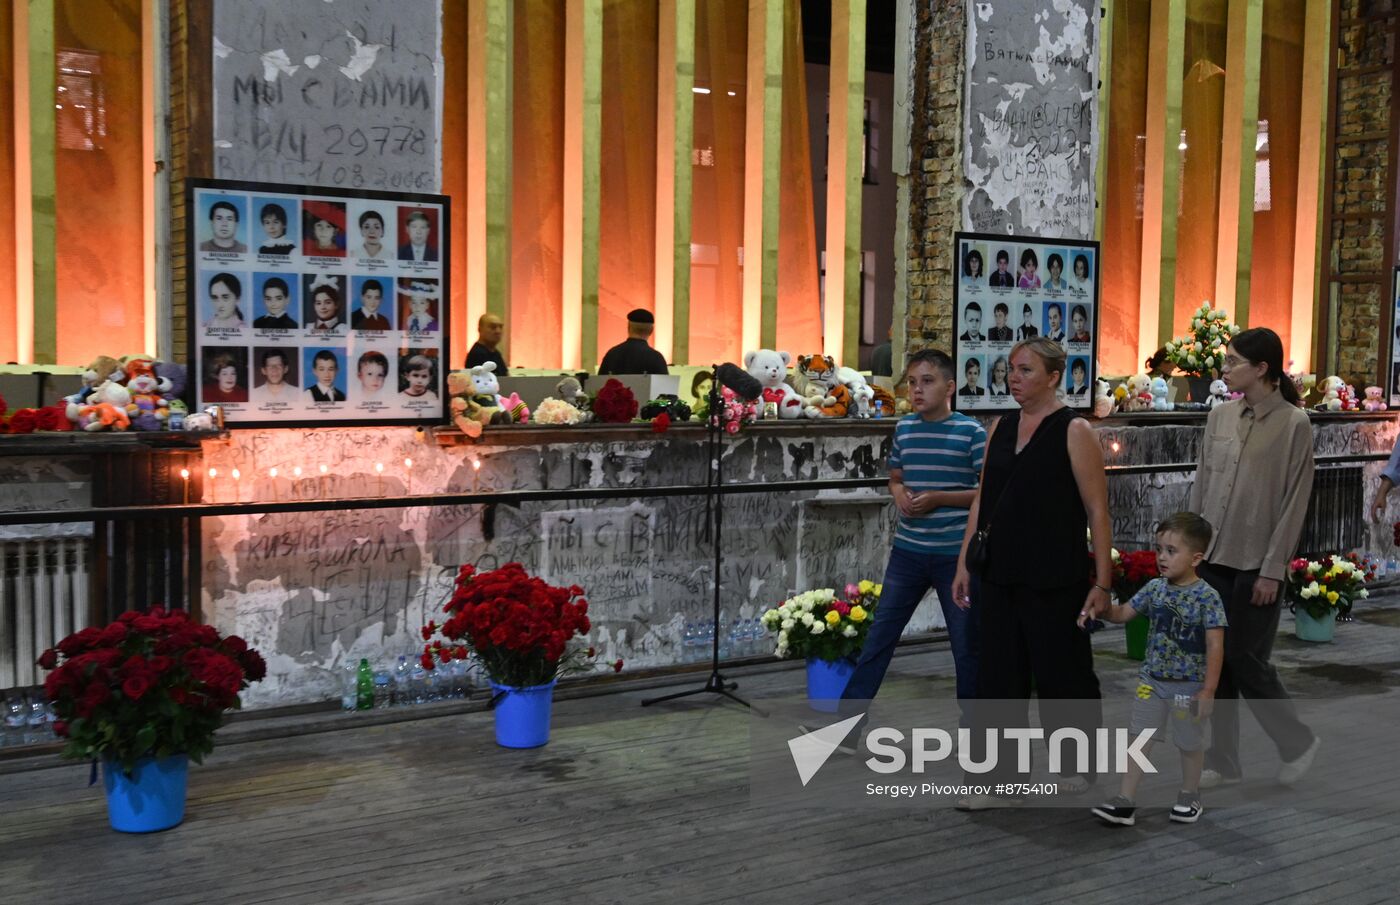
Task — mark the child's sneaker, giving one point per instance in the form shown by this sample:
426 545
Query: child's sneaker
1118 810
1187 808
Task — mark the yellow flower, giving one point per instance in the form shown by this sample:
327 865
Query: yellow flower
879 588
1332 596
858 614
832 617
866 586
1144 691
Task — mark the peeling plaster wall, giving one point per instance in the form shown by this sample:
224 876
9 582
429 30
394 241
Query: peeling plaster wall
1030 137
340 93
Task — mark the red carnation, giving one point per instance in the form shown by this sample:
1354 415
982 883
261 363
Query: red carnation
60 728
53 418
234 645
113 634
254 666
24 421
48 659
428 630
427 661
136 686
617 667
661 423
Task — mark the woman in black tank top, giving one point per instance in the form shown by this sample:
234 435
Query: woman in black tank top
1043 484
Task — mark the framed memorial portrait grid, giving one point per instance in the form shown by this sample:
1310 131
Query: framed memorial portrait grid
1010 288
311 306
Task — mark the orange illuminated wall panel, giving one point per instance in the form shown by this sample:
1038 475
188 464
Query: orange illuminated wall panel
9 346
799 299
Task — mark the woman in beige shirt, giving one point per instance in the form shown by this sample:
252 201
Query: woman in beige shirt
1252 484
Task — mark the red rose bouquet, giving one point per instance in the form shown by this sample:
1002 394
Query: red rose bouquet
150 684
614 404
518 627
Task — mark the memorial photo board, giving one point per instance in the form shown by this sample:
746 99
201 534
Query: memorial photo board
316 306
1010 288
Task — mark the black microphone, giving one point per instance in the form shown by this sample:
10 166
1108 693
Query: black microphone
740 382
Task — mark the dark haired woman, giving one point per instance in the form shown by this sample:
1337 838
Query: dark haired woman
1253 483
972 268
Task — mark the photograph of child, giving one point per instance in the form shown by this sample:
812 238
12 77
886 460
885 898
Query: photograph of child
225 375
272 214
972 377
276 297
1055 273
225 297
1078 378
372 370
999 332
224 225
1028 329
327 374
972 324
1002 277
1054 321
371 246
418 299
418 375
1083 271
1029 279
323 228
418 234
974 271
368 314
325 307
1079 324
275 379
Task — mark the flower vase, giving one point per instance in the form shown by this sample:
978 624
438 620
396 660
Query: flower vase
826 680
151 798
1135 635
522 714
1199 388
1308 628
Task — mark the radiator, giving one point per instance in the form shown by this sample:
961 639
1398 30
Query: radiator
1336 520
43 598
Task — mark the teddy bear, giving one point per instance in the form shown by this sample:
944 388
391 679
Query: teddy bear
1159 395
1103 401
105 409
1136 394
862 395
1219 392
770 369
1331 389
488 388
823 395
148 409
464 411
99 371
1347 395
1375 400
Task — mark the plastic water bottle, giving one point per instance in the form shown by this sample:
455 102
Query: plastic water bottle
14 721
349 686
707 640
753 636
461 684
734 645
403 687
383 690
418 684
38 724
690 643
364 686
879 408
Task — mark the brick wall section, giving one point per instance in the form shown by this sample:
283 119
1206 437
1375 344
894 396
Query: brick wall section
1360 185
935 194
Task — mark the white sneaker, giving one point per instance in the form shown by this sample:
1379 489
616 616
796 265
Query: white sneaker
1293 770
1211 779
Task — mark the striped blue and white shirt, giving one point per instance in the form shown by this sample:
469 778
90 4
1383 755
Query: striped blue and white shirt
937 455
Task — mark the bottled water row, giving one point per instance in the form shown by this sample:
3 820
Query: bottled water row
28 719
743 638
407 683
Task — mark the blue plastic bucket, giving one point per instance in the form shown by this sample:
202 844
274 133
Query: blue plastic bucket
826 680
151 799
522 715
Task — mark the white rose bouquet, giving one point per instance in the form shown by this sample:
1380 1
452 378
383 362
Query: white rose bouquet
1201 352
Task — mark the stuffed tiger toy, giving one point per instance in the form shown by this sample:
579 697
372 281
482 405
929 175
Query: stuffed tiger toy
815 379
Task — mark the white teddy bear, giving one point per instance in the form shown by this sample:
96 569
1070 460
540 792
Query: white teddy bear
769 368
1159 395
1331 394
862 394
1219 392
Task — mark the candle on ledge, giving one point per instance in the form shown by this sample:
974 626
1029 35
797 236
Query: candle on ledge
272 474
213 486
237 487
296 477
379 476
408 474
321 486
476 473
185 476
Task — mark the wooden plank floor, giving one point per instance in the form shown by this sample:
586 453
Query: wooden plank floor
653 805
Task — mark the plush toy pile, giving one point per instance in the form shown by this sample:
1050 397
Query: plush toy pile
133 393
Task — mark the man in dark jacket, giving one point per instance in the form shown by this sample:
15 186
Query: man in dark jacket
635 355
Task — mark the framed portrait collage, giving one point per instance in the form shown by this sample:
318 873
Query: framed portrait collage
316 306
1011 288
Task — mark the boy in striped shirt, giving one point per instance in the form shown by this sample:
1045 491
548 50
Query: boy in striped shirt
934 466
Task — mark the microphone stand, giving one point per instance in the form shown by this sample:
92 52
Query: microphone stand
714 520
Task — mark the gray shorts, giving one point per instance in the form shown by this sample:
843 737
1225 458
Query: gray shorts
1169 705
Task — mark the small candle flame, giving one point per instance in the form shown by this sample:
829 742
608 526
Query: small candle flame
272 472
185 473
407 463
379 467
296 472
236 474
213 473
323 469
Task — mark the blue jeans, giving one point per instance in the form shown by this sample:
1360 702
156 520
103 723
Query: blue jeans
908 577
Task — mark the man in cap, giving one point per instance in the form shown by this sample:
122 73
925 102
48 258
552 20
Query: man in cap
635 355
490 329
